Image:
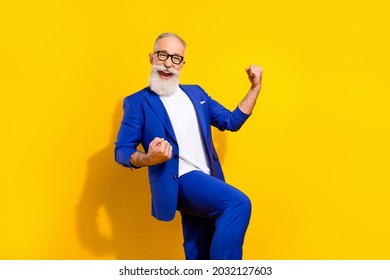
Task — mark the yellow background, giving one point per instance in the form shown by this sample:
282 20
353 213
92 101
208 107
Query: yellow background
313 157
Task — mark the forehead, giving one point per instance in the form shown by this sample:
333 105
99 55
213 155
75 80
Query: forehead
171 45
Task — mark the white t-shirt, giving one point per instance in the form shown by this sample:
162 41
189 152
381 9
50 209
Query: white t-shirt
192 152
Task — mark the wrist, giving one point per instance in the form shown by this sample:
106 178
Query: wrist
255 88
139 159
146 159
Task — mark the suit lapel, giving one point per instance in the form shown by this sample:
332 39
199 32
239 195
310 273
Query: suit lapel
158 107
198 110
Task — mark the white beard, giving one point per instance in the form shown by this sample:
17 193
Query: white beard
160 86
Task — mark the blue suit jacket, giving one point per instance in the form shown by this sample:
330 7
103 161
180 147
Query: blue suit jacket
145 118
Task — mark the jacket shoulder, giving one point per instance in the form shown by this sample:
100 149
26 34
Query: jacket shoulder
137 96
194 90
192 87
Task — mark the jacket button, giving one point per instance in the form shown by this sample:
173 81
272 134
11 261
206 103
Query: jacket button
175 156
175 176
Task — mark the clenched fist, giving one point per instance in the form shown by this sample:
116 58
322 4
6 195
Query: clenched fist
159 151
255 74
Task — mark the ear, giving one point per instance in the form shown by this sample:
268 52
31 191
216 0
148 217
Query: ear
151 58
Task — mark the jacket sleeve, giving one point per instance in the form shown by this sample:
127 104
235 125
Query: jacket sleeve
129 134
225 119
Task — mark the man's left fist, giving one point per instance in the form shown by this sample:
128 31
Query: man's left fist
255 74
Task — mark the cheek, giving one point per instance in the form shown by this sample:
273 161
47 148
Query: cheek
157 62
178 67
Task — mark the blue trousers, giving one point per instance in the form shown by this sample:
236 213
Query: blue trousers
215 217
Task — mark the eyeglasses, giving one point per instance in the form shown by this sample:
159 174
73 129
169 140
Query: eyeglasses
175 58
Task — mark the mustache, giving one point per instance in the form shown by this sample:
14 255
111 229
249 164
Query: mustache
157 68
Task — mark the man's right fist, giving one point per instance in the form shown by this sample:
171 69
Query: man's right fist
159 151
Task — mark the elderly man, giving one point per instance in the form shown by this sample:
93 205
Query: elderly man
173 124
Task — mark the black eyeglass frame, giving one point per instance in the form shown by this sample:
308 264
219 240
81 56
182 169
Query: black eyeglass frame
169 55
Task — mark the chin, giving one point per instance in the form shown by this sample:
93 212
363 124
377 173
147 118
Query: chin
164 86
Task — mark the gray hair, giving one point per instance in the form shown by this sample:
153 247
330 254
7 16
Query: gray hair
169 34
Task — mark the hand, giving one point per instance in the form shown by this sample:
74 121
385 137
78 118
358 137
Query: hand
159 151
255 74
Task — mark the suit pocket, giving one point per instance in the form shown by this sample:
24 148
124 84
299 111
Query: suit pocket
154 173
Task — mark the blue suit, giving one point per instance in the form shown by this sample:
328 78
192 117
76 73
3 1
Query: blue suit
145 118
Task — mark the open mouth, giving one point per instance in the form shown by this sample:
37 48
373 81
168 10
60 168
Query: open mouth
165 74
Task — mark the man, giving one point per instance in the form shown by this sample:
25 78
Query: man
173 124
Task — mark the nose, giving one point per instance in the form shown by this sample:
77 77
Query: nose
168 62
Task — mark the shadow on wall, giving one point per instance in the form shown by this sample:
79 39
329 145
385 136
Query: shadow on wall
124 197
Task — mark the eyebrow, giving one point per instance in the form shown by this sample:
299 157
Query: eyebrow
168 52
